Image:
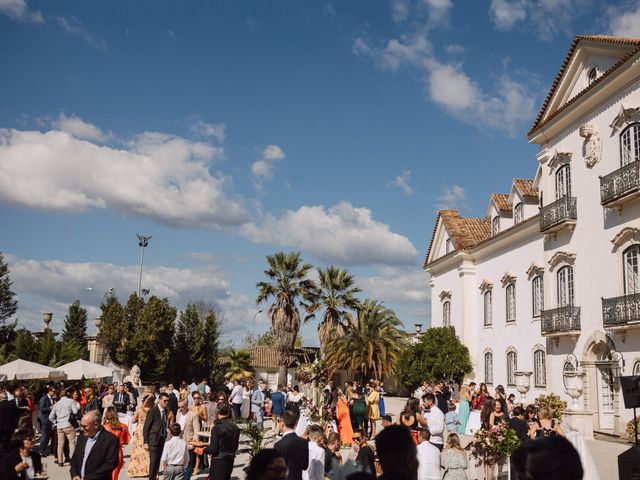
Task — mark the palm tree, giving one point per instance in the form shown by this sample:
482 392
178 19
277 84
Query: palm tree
371 344
336 294
239 365
289 286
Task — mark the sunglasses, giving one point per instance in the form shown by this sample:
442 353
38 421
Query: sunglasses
357 438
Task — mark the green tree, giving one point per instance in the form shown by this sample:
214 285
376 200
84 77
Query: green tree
336 295
439 355
75 332
371 344
289 287
114 329
238 365
267 339
188 342
152 341
209 355
8 303
24 346
47 349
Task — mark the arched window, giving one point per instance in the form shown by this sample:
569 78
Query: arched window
446 314
511 302
495 225
512 367
636 368
565 286
537 295
631 260
563 182
539 369
630 144
488 317
592 75
488 368
518 213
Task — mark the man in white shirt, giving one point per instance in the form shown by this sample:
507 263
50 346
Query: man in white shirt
428 458
315 470
235 399
61 417
435 420
175 455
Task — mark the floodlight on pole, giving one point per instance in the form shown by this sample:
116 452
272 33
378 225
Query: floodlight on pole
143 241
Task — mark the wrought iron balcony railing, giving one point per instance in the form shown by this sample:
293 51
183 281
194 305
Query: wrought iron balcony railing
558 212
620 311
560 320
620 183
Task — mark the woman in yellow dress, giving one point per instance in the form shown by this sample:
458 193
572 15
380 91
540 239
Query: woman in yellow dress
139 461
373 408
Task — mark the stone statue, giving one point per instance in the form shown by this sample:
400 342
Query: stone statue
134 377
592 146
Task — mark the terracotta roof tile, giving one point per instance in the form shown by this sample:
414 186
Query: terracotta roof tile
502 201
593 38
525 187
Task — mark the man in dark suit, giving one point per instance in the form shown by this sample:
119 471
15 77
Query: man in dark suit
293 448
154 433
121 400
96 455
21 403
223 445
45 405
8 421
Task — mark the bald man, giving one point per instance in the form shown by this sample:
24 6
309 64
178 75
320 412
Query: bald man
96 455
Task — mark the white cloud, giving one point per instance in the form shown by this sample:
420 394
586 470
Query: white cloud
78 128
51 285
505 14
451 87
438 9
625 22
400 10
400 285
547 17
408 50
158 176
341 234
402 181
454 197
19 10
262 170
203 129
73 26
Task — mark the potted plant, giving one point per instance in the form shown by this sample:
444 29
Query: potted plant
491 447
553 403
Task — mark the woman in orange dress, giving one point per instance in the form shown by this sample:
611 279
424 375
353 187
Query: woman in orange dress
111 423
344 420
139 461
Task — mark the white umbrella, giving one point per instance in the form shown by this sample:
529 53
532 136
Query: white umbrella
80 369
24 370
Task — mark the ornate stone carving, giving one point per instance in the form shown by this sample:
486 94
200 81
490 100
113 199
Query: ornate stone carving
625 115
534 270
560 258
592 145
486 285
134 377
627 234
558 158
507 279
445 295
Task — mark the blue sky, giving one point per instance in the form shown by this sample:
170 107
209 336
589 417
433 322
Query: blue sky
231 130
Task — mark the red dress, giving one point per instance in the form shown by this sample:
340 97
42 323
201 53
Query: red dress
122 434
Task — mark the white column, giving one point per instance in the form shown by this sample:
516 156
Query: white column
469 332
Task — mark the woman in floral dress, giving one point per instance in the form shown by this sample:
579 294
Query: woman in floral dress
139 462
454 459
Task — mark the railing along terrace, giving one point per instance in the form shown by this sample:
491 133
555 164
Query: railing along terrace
620 182
557 212
621 310
559 320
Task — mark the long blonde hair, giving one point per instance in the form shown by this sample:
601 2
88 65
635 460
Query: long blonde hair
111 418
453 441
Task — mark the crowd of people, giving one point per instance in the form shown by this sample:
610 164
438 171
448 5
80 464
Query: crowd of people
178 432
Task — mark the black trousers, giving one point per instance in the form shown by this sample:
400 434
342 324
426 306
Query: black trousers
221 468
235 410
155 454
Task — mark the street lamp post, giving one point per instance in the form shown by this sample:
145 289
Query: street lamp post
254 319
143 241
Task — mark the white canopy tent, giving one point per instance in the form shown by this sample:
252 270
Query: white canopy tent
79 369
25 370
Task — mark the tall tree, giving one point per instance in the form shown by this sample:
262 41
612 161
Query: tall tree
336 295
24 346
47 349
74 334
289 287
114 329
238 365
371 344
8 302
188 342
208 358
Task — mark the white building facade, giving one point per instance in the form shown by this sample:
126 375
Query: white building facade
548 282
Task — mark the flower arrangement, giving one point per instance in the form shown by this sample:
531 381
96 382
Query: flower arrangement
493 445
630 436
304 373
553 403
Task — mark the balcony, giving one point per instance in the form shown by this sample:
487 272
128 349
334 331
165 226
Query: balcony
620 186
621 313
562 213
562 321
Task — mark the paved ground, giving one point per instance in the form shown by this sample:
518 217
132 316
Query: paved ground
605 454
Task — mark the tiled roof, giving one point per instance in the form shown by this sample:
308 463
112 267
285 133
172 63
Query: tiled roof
525 187
502 201
635 42
263 356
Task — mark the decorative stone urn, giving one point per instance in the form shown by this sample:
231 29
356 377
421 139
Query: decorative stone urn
574 386
46 318
523 383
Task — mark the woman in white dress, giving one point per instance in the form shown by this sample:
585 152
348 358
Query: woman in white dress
245 408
